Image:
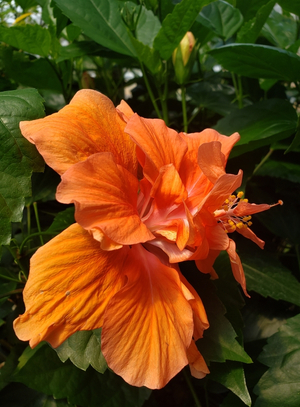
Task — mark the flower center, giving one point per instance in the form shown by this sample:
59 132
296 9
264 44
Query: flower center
225 215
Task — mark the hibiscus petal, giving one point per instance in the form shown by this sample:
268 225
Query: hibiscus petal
236 266
197 363
160 144
200 318
71 280
206 265
148 325
245 208
222 189
246 232
190 171
124 110
105 197
211 160
89 124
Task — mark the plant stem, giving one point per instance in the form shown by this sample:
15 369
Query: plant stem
150 92
9 278
184 114
17 291
191 387
17 261
38 222
33 235
263 161
240 90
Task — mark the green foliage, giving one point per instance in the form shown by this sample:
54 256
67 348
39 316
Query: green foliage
245 79
280 384
259 61
83 349
42 370
222 18
18 157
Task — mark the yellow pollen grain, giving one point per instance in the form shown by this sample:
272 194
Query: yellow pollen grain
231 222
240 225
232 197
249 223
240 194
246 200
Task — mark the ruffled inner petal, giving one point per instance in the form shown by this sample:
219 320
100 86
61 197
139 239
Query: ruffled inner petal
105 197
161 145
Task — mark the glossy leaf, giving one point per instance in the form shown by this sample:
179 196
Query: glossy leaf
18 157
147 27
30 38
176 24
148 56
270 278
79 49
62 220
214 97
251 29
259 124
41 369
259 61
101 21
219 341
280 169
83 349
279 386
222 18
291 6
231 375
280 30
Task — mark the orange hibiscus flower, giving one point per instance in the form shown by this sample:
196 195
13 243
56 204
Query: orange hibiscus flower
145 199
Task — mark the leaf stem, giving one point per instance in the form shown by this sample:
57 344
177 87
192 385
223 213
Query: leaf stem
17 261
184 114
263 161
191 387
33 235
38 222
17 291
150 92
9 278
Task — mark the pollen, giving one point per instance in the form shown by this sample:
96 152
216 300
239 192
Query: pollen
240 194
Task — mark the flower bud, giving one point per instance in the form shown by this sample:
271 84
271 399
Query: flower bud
183 58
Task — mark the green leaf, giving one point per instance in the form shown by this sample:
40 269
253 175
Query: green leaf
30 38
218 343
280 30
19 395
37 73
296 140
83 349
147 27
148 56
232 400
101 21
231 375
270 278
222 18
251 29
259 61
26 4
259 124
291 6
283 221
212 96
176 24
280 385
42 370
280 169
62 220
18 157
79 49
